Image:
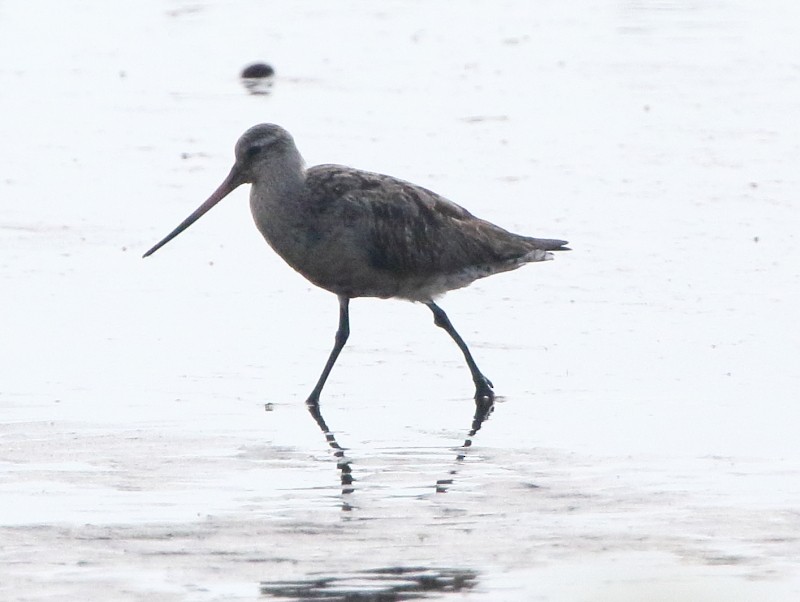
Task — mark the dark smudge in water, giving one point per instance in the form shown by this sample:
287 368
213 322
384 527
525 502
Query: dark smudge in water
375 585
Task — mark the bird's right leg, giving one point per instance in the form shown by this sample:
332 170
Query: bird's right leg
483 386
341 338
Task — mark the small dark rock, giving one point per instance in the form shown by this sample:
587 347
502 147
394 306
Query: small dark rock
258 70
257 78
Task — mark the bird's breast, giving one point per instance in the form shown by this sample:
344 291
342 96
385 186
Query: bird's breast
316 247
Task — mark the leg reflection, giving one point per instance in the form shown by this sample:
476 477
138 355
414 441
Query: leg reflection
342 462
483 409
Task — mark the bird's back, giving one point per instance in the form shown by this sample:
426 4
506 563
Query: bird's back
397 239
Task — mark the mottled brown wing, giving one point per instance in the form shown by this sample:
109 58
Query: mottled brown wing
409 230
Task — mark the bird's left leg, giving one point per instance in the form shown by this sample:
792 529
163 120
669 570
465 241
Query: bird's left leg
342 334
483 386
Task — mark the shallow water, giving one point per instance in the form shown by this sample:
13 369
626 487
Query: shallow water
154 442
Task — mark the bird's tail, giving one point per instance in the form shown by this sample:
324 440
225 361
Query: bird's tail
540 248
549 244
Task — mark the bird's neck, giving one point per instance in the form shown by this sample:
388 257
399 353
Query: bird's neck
276 201
284 174
279 184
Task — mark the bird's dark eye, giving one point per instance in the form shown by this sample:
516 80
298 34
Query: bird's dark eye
254 151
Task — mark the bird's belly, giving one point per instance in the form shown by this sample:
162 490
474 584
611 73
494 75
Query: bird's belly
343 269
336 262
356 279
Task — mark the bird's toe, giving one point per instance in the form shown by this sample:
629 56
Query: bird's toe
483 390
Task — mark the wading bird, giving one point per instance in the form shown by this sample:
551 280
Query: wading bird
361 234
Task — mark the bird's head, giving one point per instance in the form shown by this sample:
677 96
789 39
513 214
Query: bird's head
258 148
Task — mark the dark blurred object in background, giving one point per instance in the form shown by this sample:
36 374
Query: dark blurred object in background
257 78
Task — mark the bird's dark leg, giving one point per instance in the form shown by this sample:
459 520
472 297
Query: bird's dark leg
341 338
483 386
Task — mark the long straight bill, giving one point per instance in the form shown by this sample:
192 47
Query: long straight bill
228 185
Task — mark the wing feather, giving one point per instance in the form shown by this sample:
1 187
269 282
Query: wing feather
409 230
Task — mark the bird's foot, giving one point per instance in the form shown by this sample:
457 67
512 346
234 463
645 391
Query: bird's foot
483 390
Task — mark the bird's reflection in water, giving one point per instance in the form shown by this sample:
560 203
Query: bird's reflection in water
483 409
342 462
